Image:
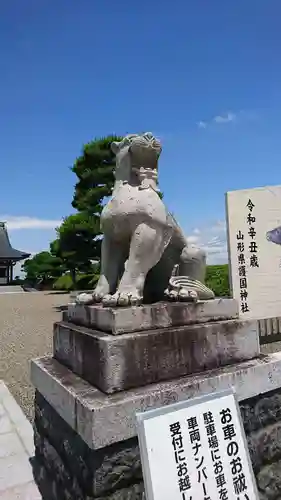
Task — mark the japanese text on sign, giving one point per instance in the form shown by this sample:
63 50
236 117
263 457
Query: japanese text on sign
180 459
253 247
253 223
196 451
242 271
238 477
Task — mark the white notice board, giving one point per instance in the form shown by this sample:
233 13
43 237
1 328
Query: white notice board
254 250
196 449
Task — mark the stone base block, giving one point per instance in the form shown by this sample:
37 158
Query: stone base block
115 363
66 468
71 419
101 420
148 317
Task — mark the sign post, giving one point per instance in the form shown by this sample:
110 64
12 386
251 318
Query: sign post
196 449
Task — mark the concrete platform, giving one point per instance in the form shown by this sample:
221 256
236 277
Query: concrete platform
101 420
116 363
16 448
148 317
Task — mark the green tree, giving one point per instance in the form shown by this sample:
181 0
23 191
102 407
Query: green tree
77 244
218 280
94 170
79 237
41 268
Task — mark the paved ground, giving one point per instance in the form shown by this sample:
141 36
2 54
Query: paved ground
26 323
16 448
10 289
272 347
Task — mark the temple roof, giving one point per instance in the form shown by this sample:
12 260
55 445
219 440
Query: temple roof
7 252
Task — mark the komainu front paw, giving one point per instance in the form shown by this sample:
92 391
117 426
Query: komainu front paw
100 292
84 299
122 299
98 296
102 289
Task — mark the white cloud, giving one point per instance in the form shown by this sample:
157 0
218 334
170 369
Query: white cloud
212 239
36 232
25 222
193 239
201 124
228 117
218 227
221 119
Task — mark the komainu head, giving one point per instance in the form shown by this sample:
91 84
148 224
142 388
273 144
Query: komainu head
143 150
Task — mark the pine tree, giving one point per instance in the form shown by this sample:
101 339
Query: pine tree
94 169
78 240
76 244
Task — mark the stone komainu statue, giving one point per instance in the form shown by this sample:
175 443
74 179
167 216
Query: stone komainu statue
145 256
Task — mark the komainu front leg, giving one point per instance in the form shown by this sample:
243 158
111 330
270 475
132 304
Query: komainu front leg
112 259
147 246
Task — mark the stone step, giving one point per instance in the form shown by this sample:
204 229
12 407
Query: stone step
149 316
115 363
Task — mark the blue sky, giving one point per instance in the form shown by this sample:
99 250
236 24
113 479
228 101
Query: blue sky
202 75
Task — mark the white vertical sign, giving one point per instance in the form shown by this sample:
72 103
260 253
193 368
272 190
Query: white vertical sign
254 247
196 450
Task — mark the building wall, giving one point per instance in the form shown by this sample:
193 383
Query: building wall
3 275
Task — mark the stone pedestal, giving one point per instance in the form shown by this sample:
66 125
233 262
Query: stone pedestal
88 394
115 363
148 317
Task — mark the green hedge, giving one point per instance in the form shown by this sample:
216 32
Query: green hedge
83 282
217 279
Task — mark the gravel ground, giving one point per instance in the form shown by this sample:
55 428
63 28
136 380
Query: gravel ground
26 331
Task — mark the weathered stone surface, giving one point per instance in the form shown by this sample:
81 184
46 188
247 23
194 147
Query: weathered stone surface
67 455
265 445
269 481
134 492
148 317
46 484
74 467
52 488
101 419
259 412
115 363
55 464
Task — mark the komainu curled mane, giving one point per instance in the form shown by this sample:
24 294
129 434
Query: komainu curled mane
145 256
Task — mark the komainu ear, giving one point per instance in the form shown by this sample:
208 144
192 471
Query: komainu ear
115 147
